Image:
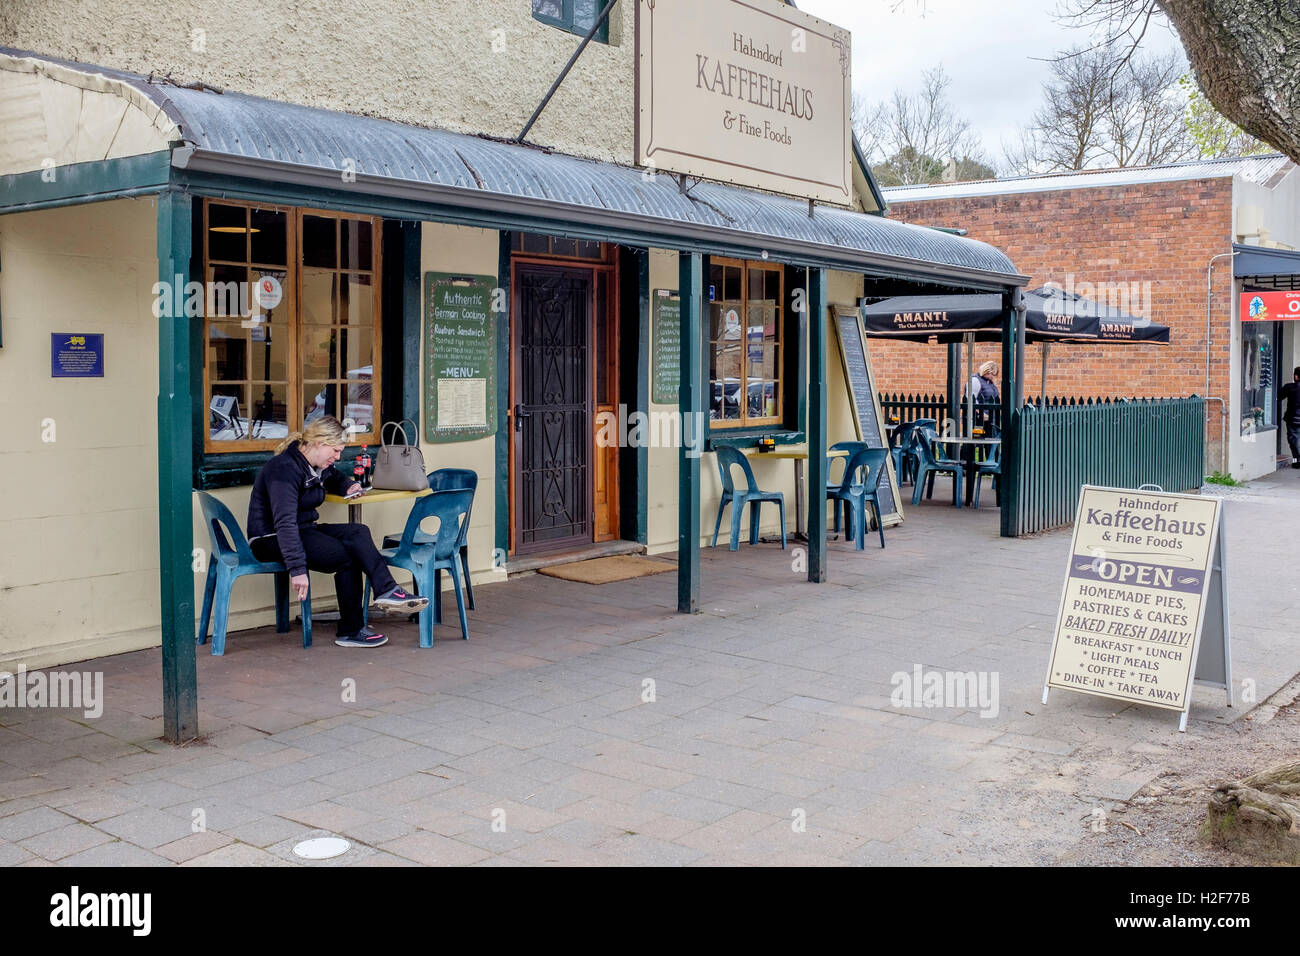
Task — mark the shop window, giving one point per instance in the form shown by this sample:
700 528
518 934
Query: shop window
536 244
576 16
1258 377
291 327
745 318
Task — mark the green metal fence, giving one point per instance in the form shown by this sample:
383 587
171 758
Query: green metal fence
1125 444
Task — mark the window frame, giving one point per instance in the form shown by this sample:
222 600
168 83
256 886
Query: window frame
566 21
746 421
292 286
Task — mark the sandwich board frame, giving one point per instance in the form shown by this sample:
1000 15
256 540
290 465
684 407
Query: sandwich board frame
1208 657
868 421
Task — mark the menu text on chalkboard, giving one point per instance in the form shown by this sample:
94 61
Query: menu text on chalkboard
459 357
862 397
666 356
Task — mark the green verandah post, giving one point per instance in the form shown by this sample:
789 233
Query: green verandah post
690 401
816 485
175 478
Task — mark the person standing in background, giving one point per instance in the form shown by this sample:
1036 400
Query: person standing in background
1290 393
985 390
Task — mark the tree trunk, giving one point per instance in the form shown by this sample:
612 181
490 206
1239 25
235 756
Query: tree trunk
1246 57
1258 816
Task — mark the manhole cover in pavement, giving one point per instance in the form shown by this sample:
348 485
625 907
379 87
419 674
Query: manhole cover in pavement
322 848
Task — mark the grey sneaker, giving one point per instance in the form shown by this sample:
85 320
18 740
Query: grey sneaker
399 600
363 638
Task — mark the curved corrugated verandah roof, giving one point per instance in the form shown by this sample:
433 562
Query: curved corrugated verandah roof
267 139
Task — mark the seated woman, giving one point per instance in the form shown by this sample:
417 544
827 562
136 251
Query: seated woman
282 527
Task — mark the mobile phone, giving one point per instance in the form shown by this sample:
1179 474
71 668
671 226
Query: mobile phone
355 496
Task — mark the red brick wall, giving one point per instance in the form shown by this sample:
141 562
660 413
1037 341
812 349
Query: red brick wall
1162 233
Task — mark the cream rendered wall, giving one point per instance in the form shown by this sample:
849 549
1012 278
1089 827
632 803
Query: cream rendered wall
53 116
79 519
468 67
774 475
471 251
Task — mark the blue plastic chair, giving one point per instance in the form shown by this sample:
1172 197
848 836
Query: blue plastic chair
990 466
751 496
426 562
903 447
231 558
448 479
856 489
930 463
834 483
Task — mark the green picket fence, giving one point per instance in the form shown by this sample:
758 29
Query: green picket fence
1055 451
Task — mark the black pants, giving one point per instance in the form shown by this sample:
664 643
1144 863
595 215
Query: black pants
1293 438
346 551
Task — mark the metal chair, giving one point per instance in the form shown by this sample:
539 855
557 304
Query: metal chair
232 558
990 466
439 553
930 463
854 494
752 496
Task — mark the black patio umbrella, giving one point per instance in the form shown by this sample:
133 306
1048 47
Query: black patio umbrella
948 318
1057 315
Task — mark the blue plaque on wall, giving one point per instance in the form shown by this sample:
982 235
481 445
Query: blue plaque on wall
76 354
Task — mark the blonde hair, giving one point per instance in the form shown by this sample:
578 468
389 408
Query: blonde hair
989 368
326 430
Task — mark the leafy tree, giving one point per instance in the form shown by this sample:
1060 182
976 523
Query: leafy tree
1244 54
1103 110
1213 133
913 138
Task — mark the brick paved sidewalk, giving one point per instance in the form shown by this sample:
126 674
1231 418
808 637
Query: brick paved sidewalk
533 743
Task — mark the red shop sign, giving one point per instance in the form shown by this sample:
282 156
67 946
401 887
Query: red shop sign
1269 306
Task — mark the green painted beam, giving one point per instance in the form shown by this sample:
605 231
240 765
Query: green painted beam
1010 408
411 321
817 428
690 402
94 181
175 508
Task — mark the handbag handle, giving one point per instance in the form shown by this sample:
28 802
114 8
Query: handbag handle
400 426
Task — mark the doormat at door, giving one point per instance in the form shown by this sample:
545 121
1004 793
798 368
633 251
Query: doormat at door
618 567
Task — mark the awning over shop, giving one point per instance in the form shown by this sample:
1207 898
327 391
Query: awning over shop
1262 267
486 182
1051 314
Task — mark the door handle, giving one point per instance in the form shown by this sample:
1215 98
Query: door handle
520 415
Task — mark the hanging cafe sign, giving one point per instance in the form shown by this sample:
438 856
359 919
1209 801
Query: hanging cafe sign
751 92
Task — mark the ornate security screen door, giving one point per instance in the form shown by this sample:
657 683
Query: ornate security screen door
553 412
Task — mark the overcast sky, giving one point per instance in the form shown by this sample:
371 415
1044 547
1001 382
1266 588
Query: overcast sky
992 49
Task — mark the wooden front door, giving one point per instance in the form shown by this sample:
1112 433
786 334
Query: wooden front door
553 407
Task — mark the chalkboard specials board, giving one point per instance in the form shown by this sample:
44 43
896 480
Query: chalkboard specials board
460 373
862 399
666 357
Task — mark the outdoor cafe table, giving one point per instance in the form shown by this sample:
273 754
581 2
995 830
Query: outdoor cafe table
354 504
968 446
799 456
354 517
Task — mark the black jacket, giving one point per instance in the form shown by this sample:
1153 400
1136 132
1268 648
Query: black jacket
285 497
1290 393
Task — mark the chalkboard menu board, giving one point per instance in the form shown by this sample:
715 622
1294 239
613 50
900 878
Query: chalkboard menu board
460 373
862 398
666 356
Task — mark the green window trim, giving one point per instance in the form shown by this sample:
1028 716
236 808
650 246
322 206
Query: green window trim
574 16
